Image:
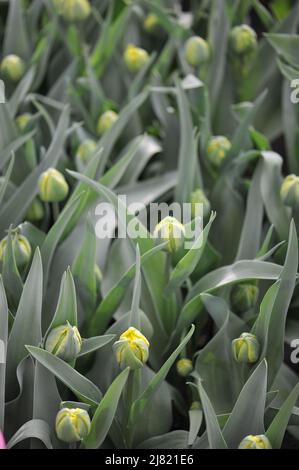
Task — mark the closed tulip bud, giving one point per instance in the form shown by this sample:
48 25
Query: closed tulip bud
255 442
13 67
197 51
35 211
85 151
246 348
135 58
21 249
73 10
106 120
171 230
243 39
64 342
2 441
52 186
184 367
151 22
72 424
217 150
289 191
199 197
22 121
243 297
131 349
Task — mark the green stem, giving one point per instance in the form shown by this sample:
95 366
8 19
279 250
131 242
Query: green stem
170 301
56 210
131 393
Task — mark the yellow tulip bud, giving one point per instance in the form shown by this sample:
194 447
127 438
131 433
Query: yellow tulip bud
197 51
255 442
199 197
171 230
151 22
73 10
243 297
52 186
246 348
217 150
243 39
35 211
22 121
289 191
13 67
135 58
21 249
72 424
106 120
184 367
132 349
64 342
85 151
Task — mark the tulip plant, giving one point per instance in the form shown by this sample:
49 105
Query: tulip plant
142 342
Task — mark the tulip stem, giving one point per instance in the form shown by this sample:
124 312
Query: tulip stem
169 299
56 211
132 392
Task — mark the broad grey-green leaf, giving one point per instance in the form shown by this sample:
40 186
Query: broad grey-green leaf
66 310
16 36
252 227
277 428
215 436
214 362
248 418
6 179
11 277
195 421
217 39
93 344
83 388
271 181
27 324
187 159
286 45
171 440
134 312
55 234
275 350
105 412
83 269
36 428
46 403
